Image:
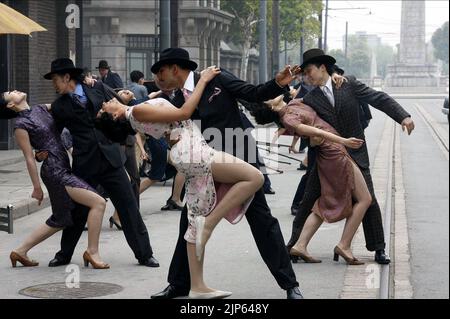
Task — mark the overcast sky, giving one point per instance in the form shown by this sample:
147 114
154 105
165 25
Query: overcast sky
379 17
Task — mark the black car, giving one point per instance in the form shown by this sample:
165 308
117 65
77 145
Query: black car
445 109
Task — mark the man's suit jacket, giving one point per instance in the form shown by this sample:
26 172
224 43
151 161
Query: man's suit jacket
113 80
89 142
218 107
345 117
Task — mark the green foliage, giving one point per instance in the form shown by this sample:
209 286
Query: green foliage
385 56
440 44
244 25
341 60
357 62
292 12
246 12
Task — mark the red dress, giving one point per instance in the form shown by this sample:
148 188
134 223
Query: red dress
334 165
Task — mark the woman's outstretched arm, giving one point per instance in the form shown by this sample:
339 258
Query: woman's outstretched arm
23 140
313 132
143 113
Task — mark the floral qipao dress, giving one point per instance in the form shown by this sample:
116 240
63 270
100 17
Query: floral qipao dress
192 157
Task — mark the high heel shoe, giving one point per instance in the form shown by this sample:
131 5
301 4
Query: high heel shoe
88 260
113 222
15 257
199 226
350 261
306 258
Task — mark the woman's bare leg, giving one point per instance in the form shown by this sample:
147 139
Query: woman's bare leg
39 235
363 200
276 136
196 270
97 205
311 226
295 141
246 181
178 188
145 184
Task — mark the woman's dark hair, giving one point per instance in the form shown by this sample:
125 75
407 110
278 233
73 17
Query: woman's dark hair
264 115
116 131
5 113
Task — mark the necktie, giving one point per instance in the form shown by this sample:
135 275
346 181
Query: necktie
328 94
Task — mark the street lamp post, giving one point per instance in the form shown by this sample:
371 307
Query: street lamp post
262 41
164 21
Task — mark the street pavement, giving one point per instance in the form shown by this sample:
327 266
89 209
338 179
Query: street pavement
232 259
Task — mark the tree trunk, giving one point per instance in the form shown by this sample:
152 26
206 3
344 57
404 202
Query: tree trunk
245 58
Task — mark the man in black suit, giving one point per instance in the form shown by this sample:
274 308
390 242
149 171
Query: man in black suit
218 111
341 109
96 159
109 77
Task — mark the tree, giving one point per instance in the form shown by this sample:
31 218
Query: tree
440 44
243 29
358 63
341 60
296 15
385 56
298 18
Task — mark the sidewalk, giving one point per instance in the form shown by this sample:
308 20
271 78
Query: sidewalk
15 185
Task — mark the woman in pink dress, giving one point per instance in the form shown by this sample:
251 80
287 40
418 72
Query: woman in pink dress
344 193
218 185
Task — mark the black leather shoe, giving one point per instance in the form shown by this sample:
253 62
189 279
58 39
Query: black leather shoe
171 205
294 293
169 293
269 191
55 262
302 167
381 258
294 210
294 259
151 262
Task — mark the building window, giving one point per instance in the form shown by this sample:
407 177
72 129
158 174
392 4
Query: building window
141 54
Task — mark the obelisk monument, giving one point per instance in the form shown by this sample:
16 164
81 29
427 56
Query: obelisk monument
412 72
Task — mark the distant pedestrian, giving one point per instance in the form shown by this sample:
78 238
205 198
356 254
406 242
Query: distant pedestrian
109 77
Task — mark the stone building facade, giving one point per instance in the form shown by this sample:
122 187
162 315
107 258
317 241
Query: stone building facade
24 60
125 32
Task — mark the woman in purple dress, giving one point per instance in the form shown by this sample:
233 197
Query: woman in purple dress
35 129
344 192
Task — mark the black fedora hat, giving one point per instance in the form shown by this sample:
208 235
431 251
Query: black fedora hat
338 70
62 66
316 55
103 64
174 56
